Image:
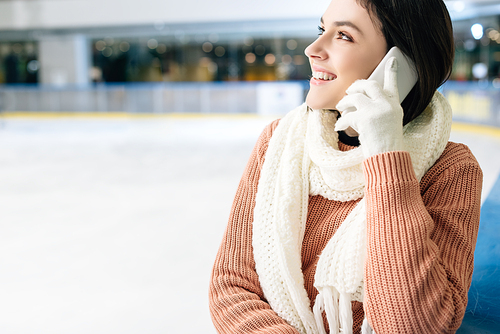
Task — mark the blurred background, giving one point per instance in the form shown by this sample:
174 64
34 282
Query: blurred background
125 126
212 57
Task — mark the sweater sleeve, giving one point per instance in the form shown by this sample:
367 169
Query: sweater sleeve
421 240
237 303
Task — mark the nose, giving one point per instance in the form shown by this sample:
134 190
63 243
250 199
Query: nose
315 50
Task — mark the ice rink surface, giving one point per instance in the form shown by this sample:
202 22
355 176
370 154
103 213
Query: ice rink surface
111 225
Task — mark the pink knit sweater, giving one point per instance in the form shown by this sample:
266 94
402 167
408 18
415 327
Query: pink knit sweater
421 240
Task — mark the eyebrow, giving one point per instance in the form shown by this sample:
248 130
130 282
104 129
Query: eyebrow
344 24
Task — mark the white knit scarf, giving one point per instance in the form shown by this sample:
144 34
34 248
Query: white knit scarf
303 159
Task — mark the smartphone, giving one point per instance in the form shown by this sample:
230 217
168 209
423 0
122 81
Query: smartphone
407 75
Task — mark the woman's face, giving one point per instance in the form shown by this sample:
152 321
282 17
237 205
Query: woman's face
349 48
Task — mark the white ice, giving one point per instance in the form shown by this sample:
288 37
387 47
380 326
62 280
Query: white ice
112 225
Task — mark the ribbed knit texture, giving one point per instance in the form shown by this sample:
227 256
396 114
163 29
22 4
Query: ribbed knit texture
420 246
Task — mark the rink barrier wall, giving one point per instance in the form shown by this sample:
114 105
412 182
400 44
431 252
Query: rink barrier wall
157 98
472 102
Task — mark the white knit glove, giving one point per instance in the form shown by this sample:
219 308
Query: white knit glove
378 118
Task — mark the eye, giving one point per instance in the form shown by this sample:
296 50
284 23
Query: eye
342 35
321 30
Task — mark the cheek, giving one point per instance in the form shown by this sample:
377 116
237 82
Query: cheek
358 66
349 66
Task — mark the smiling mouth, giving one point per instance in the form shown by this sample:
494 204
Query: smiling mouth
324 76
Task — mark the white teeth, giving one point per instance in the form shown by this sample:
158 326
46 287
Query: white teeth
323 76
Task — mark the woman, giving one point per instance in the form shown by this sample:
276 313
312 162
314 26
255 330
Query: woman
356 221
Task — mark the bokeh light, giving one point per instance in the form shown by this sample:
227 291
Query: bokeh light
152 43
124 47
270 59
107 52
477 31
220 51
207 47
33 66
250 58
100 45
291 44
286 59
260 50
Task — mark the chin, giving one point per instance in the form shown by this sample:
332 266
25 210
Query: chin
319 102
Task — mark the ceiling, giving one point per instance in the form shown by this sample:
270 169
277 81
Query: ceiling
463 13
464 10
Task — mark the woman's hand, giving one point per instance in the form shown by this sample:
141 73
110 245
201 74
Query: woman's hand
378 118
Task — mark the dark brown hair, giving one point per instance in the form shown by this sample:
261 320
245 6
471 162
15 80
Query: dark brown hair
422 30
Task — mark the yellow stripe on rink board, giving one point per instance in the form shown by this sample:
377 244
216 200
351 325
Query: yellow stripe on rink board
122 115
476 128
